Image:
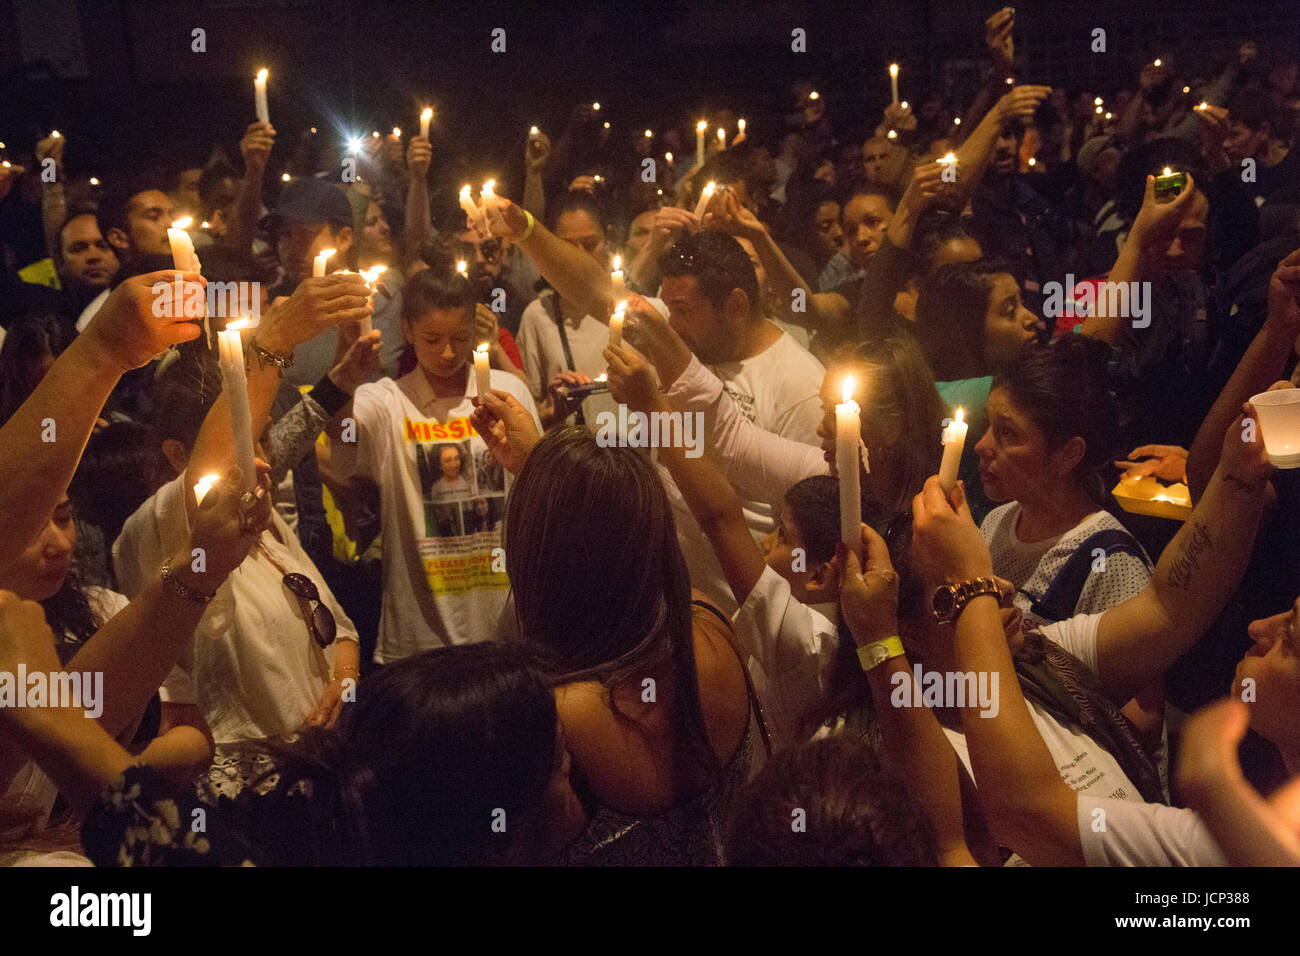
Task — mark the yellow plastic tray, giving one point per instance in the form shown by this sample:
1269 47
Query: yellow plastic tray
1147 496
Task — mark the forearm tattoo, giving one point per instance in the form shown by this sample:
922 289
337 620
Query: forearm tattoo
1188 562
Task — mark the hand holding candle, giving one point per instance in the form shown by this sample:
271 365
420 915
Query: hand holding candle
954 443
848 440
706 194
616 325
491 208
371 276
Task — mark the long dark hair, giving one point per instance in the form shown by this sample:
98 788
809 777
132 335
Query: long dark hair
1064 390
598 577
950 317
70 616
901 401
417 767
30 339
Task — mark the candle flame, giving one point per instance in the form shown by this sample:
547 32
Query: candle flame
462 267
203 486
603 377
892 134
94 181
397 132
1187 89
374 134
607 124
621 307
1108 116
948 159
54 134
710 187
1167 172
238 324
960 414
533 131
183 223
1097 110
847 388
893 69
427 113
1033 161
1097 101
740 124
701 126
649 134
205 225
286 177
595 106
1156 63
668 157
814 95
956 121
464 192
1202 105
618 262
903 104
489 186
262 74
482 349
722 135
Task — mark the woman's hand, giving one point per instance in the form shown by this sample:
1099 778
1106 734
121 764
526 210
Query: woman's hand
360 359
868 598
650 332
945 541
226 526
506 427
630 380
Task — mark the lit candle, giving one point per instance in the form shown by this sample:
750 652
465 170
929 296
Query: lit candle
259 96
722 138
203 486
397 132
182 247
893 82
596 107
425 119
318 266
1098 101
370 275
616 276
474 220
94 181
533 133
616 325
700 127
1156 63
649 134
892 134
668 158
740 125
462 267
491 207
706 194
848 439
954 442
482 370
230 350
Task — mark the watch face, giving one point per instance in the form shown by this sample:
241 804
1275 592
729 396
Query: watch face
945 599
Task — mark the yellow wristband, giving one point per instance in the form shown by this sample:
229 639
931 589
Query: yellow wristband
876 653
531 223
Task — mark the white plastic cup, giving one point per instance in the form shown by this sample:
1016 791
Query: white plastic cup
1279 425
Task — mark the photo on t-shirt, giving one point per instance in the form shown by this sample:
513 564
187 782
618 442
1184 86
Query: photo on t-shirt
443 520
482 515
446 471
491 477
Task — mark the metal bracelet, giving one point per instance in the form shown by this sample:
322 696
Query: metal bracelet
266 357
173 583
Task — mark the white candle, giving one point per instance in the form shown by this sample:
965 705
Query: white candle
848 439
954 442
425 119
259 96
230 350
700 127
533 133
482 370
491 207
371 275
318 266
616 325
616 276
893 82
740 135
182 248
722 138
203 486
473 219
705 195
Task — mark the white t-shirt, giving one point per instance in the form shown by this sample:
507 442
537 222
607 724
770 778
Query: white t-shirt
790 650
1123 833
440 586
1084 764
779 390
1032 567
28 800
253 668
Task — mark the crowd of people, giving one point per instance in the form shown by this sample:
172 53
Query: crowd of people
449 622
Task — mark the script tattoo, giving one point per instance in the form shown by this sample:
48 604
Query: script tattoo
1188 562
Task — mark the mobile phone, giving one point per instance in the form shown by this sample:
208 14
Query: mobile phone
1169 185
577 393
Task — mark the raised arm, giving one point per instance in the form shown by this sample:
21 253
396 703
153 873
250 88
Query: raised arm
1198 571
418 225
41 443
256 146
1263 365
915 744
1028 805
54 201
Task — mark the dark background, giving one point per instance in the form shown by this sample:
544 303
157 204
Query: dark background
118 77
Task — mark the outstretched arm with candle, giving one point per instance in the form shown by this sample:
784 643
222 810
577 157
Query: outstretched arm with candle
256 147
315 305
42 442
417 226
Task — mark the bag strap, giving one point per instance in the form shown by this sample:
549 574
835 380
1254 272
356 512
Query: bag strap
1059 600
564 343
754 704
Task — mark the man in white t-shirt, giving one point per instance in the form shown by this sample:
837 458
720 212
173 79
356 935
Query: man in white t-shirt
444 579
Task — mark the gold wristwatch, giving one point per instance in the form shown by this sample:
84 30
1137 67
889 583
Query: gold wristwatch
950 599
